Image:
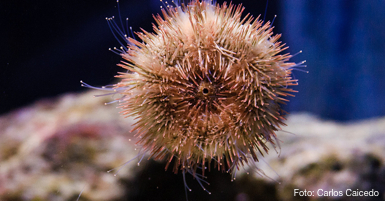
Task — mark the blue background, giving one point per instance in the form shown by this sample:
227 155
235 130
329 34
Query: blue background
344 45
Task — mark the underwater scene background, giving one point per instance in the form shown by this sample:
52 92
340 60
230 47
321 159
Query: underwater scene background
56 139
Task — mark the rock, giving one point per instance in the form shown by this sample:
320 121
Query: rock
323 156
56 148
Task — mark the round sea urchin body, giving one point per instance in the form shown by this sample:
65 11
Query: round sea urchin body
206 86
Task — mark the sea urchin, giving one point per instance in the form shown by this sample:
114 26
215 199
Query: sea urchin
206 86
